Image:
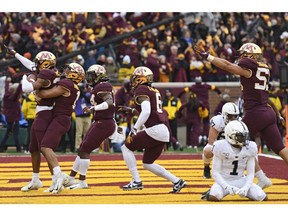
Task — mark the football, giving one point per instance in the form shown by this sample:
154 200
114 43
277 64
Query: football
31 77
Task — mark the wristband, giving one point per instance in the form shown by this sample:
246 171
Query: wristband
210 58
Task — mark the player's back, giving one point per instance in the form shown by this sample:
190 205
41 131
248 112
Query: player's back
156 116
52 76
255 89
64 105
95 99
233 161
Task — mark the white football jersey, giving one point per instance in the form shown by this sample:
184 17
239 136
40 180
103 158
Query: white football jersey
217 122
233 162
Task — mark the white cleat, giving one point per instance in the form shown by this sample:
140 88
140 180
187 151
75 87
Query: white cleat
69 181
80 185
32 185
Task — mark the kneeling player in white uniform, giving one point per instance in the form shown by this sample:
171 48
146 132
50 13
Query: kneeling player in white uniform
232 156
230 112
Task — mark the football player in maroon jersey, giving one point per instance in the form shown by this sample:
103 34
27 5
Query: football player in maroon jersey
103 124
44 75
153 137
254 78
66 93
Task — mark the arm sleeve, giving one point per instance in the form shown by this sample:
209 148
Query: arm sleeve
250 172
144 115
26 62
216 167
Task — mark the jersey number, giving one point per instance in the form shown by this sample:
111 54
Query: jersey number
234 172
159 102
262 75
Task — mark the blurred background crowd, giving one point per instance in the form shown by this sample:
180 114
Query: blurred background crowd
161 41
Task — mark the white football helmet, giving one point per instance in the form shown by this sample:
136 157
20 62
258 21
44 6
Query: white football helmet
95 74
140 76
237 133
74 71
250 50
230 111
45 60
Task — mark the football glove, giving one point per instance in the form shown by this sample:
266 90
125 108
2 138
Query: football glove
10 51
200 51
132 133
242 192
231 189
125 109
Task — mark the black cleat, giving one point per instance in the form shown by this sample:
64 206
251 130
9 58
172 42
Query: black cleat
207 174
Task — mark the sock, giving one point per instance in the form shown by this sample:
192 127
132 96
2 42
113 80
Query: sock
56 170
35 176
76 164
161 171
84 165
131 163
259 174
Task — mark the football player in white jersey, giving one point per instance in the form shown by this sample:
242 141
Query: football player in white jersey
230 112
232 157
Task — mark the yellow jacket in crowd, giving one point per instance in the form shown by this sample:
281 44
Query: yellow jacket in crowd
29 107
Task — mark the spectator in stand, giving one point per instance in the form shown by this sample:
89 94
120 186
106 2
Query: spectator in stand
83 120
193 120
126 69
29 111
153 63
202 92
165 70
124 98
12 112
111 69
181 70
172 106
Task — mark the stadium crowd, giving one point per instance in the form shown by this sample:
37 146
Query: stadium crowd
166 49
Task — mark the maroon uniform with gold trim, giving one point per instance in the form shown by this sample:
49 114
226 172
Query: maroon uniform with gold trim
153 148
103 124
43 117
258 115
62 111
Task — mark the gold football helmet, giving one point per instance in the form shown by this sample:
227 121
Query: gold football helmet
45 60
140 76
95 74
75 72
250 50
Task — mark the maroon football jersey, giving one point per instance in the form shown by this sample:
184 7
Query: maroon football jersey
157 115
52 76
254 89
64 105
95 99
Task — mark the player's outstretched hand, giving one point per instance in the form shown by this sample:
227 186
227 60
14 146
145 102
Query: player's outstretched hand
200 51
10 51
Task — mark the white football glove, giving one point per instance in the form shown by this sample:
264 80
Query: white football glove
242 192
27 86
231 189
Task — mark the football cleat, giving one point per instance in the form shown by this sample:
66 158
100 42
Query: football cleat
133 185
32 185
178 186
207 174
80 185
69 181
205 195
